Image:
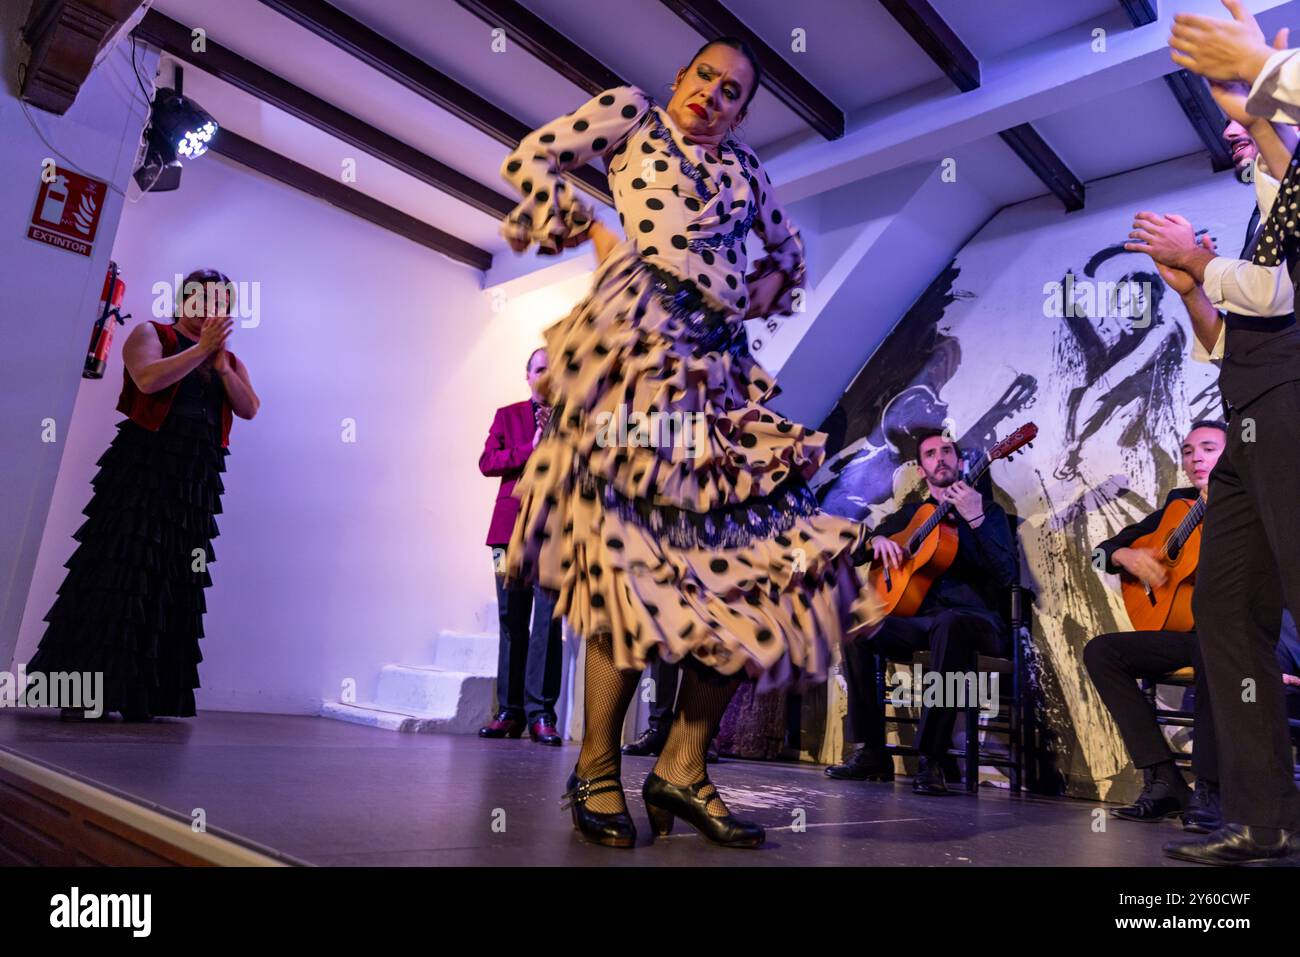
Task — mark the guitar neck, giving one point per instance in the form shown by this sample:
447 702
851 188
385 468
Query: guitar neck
1189 523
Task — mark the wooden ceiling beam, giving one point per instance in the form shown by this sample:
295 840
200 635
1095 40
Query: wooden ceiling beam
383 55
256 157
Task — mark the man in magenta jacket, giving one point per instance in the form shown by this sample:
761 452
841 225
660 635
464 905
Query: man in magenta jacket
528 664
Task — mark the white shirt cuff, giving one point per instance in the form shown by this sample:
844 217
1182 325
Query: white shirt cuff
1198 351
1213 282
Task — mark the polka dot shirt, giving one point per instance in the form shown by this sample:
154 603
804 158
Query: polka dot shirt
688 208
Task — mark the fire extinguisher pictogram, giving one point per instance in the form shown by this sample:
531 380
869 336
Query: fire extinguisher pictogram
101 337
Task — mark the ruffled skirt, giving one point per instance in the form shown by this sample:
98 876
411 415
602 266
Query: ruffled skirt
132 603
667 505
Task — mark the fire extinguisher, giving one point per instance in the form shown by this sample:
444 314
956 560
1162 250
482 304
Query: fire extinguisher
101 337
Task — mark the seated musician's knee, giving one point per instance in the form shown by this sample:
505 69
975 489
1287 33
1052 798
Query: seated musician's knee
1101 652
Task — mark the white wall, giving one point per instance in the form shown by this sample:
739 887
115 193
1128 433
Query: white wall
333 558
50 295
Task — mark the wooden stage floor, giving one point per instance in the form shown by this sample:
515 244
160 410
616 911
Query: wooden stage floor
329 793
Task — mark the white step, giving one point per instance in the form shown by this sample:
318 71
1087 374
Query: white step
373 717
468 652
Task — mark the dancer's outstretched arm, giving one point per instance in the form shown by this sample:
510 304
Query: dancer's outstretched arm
552 214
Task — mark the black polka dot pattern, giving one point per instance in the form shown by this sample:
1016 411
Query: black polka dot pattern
765 602
684 210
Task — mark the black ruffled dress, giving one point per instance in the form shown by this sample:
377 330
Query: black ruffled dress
132 602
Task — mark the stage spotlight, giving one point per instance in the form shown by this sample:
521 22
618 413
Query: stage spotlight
178 129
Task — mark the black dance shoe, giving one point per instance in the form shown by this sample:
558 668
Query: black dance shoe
137 715
1205 814
1236 844
542 731
711 756
649 742
504 725
929 779
863 765
664 801
611 830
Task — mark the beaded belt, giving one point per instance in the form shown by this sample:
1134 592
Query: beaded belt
705 327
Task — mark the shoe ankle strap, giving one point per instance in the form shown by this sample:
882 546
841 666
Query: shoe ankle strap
584 790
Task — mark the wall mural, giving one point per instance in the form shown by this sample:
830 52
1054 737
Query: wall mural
1046 318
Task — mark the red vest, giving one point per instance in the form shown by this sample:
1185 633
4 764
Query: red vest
149 409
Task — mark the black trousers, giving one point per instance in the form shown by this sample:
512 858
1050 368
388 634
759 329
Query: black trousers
665 676
1249 568
528 660
955 637
1116 663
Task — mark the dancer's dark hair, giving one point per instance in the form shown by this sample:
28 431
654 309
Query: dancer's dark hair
199 279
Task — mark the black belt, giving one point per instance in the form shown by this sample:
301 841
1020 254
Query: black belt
1259 323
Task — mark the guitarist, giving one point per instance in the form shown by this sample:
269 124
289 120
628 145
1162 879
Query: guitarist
958 620
1116 662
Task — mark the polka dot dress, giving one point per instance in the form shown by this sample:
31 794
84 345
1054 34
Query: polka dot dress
1281 238
666 503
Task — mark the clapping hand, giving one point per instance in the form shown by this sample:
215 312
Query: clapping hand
1218 49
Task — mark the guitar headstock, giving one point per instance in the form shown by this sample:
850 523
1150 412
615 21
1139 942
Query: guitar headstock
1017 440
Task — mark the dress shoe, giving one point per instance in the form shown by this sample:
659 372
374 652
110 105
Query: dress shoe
664 802
711 756
929 779
542 731
863 765
610 830
137 715
1147 808
649 742
1236 844
504 725
1204 814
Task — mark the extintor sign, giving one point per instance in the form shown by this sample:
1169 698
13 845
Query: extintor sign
68 207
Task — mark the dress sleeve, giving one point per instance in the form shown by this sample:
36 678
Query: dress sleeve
784 247
551 211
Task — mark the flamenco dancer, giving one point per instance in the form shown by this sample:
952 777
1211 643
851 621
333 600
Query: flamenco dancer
710 552
131 605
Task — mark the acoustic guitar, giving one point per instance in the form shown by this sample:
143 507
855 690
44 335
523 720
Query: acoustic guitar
1177 545
929 543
